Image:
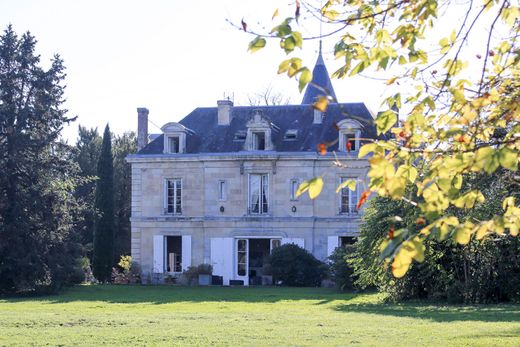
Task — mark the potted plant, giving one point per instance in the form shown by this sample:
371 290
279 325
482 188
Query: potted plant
205 271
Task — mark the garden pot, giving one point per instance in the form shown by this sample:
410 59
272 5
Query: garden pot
204 280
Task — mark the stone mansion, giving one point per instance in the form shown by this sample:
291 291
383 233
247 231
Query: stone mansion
219 186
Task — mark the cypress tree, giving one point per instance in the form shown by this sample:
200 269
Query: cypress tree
104 203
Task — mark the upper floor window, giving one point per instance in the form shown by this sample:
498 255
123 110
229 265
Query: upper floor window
173 144
173 196
350 141
258 193
348 198
259 140
222 190
294 188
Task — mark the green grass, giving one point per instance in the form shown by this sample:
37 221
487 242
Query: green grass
139 315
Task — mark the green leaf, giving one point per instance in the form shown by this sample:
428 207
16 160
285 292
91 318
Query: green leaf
288 44
313 186
408 172
298 40
257 44
486 159
351 184
365 149
305 78
385 121
508 158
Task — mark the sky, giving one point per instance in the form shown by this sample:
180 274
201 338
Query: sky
170 56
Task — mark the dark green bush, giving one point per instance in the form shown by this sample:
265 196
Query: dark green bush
294 266
341 271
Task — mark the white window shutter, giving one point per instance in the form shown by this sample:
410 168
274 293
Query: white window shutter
186 252
158 254
222 257
332 244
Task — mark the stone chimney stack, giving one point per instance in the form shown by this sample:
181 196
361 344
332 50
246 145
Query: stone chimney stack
224 111
142 127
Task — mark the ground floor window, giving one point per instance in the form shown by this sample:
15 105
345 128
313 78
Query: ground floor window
173 253
347 240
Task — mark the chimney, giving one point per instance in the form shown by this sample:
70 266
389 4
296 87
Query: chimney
224 111
142 127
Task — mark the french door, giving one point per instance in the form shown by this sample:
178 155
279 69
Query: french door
242 257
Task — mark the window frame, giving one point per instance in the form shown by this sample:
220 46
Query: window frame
255 144
222 190
177 209
263 188
351 206
292 190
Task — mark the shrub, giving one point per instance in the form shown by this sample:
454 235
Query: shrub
341 270
190 276
294 266
126 272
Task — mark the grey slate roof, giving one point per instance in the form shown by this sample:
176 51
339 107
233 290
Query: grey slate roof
209 137
320 84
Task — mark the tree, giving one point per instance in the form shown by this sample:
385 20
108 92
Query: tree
38 248
461 103
103 258
268 97
123 146
86 156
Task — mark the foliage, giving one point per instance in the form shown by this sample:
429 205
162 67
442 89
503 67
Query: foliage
86 156
123 145
462 108
478 272
126 271
341 271
296 267
193 316
38 248
103 258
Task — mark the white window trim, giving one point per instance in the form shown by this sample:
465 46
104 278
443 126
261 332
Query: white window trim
349 126
249 212
352 206
222 190
165 196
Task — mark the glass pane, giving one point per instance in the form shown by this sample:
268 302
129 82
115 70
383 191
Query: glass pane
241 258
241 269
275 243
242 245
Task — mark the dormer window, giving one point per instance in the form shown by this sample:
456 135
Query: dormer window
175 138
259 130
259 140
173 144
349 135
290 135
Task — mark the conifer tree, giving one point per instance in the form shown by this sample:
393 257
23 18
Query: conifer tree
104 203
38 212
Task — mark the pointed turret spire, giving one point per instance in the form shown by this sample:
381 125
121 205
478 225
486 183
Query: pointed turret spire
320 84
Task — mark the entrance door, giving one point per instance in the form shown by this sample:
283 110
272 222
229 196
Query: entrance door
242 260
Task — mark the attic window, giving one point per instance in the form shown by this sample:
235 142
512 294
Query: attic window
259 140
240 136
173 144
290 135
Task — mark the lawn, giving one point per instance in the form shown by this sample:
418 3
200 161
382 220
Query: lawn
162 315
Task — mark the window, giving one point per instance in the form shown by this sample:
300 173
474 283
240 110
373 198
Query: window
290 135
259 141
242 257
173 144
173 253
294 188
173 196
258 193
348 198
222 190
275 243
350 140
240 135
345 241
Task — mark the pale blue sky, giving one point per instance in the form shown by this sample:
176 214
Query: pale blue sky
169 56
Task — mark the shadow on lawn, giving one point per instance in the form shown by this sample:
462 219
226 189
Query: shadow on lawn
440 312
174 294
